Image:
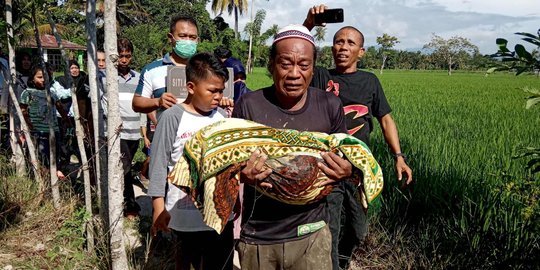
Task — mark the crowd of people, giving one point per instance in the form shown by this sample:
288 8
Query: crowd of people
272 234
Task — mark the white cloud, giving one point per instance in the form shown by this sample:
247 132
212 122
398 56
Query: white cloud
414 21
510 8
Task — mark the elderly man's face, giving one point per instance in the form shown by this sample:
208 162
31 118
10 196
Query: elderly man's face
292 68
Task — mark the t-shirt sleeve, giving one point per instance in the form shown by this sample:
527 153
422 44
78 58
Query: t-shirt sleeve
162 146
25 97
54 95
144 88
320 78
380 106
238 111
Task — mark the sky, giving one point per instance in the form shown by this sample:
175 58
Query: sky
413 22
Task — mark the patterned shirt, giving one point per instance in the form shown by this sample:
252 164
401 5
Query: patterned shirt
38 109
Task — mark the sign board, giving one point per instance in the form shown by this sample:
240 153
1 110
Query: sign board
176 82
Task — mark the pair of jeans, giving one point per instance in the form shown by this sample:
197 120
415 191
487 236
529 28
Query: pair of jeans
348 222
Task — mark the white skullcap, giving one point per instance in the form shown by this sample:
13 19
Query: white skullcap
294 31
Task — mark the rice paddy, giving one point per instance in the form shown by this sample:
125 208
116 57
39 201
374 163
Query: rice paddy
472 203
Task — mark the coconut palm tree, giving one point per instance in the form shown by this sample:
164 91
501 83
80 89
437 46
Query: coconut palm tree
238 6
320 32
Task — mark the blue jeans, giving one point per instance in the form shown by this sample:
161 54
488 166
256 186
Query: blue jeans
348 222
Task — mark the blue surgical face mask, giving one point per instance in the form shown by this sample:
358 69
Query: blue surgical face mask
185 48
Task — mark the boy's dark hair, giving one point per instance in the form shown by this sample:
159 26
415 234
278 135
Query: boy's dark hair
184 18
33 71
202 65
124 44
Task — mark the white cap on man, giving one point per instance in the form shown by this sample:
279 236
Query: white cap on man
294 31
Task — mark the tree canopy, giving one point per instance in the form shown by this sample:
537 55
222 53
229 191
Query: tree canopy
151 18
448 51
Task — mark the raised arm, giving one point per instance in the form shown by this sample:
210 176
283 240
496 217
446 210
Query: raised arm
309 22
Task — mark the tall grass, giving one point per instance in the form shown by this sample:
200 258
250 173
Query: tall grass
15 191
36 235
466 208
259 78
472 205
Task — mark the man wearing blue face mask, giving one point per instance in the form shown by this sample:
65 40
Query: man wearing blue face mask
151 93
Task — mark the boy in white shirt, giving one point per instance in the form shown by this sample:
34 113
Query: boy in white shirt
196 244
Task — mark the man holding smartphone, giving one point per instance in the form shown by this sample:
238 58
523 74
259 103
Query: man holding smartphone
363 98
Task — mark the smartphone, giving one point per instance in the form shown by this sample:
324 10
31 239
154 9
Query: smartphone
329 16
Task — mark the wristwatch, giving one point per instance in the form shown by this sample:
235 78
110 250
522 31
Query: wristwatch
396 155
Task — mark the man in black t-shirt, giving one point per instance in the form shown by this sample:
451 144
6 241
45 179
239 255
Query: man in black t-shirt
278 235
363 99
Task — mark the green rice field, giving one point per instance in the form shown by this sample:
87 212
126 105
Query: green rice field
472 204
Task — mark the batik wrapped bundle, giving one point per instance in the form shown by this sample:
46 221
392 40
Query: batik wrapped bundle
214 156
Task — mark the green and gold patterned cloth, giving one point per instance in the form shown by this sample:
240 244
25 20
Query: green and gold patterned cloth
214 156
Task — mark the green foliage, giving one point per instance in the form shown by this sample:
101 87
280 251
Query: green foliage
153 45
534 99
370 58
71 236
324 57
387 41
41 236
254 28
15 192
519 60
534 154
239 49
320 33
449 52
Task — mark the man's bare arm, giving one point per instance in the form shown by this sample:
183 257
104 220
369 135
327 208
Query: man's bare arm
391 137
309 22
146 105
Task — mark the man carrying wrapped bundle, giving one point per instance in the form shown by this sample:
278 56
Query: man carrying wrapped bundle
288 162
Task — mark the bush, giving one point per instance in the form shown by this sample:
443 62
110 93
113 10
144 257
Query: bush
149 42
